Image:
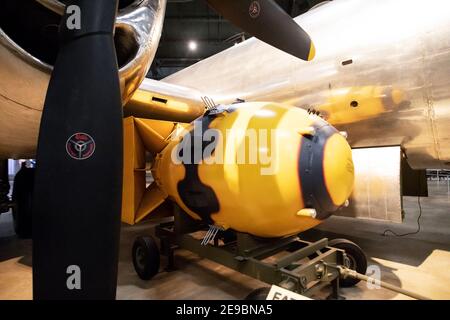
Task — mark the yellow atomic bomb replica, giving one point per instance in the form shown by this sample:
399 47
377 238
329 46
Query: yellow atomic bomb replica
265 169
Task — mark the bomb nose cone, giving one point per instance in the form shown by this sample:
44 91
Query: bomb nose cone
326 169
338 170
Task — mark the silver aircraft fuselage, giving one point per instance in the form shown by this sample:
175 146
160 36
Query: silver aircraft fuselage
381 73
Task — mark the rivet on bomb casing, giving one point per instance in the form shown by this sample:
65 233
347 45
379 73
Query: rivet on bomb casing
344 134
307 212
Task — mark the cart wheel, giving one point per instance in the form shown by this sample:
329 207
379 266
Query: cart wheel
146 258
356 259
228 236
258 294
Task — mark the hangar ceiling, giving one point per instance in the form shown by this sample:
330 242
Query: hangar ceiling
193 21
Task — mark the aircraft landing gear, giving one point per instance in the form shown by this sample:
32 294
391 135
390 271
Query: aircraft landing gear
22 197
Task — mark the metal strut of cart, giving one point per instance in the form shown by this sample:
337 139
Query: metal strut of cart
291 263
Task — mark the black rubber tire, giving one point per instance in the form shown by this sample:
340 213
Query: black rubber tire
22 196
258 294
146 258
357 257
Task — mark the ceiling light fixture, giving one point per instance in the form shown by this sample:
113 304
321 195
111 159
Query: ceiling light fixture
192 45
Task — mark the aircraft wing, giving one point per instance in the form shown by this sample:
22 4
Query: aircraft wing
164 101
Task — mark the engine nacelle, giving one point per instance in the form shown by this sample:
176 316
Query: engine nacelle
28 49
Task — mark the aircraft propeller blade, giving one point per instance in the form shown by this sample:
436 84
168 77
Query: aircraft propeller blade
265 20
78 185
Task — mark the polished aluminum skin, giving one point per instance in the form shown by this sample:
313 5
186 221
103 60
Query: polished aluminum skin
24 78
377 193
388 46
